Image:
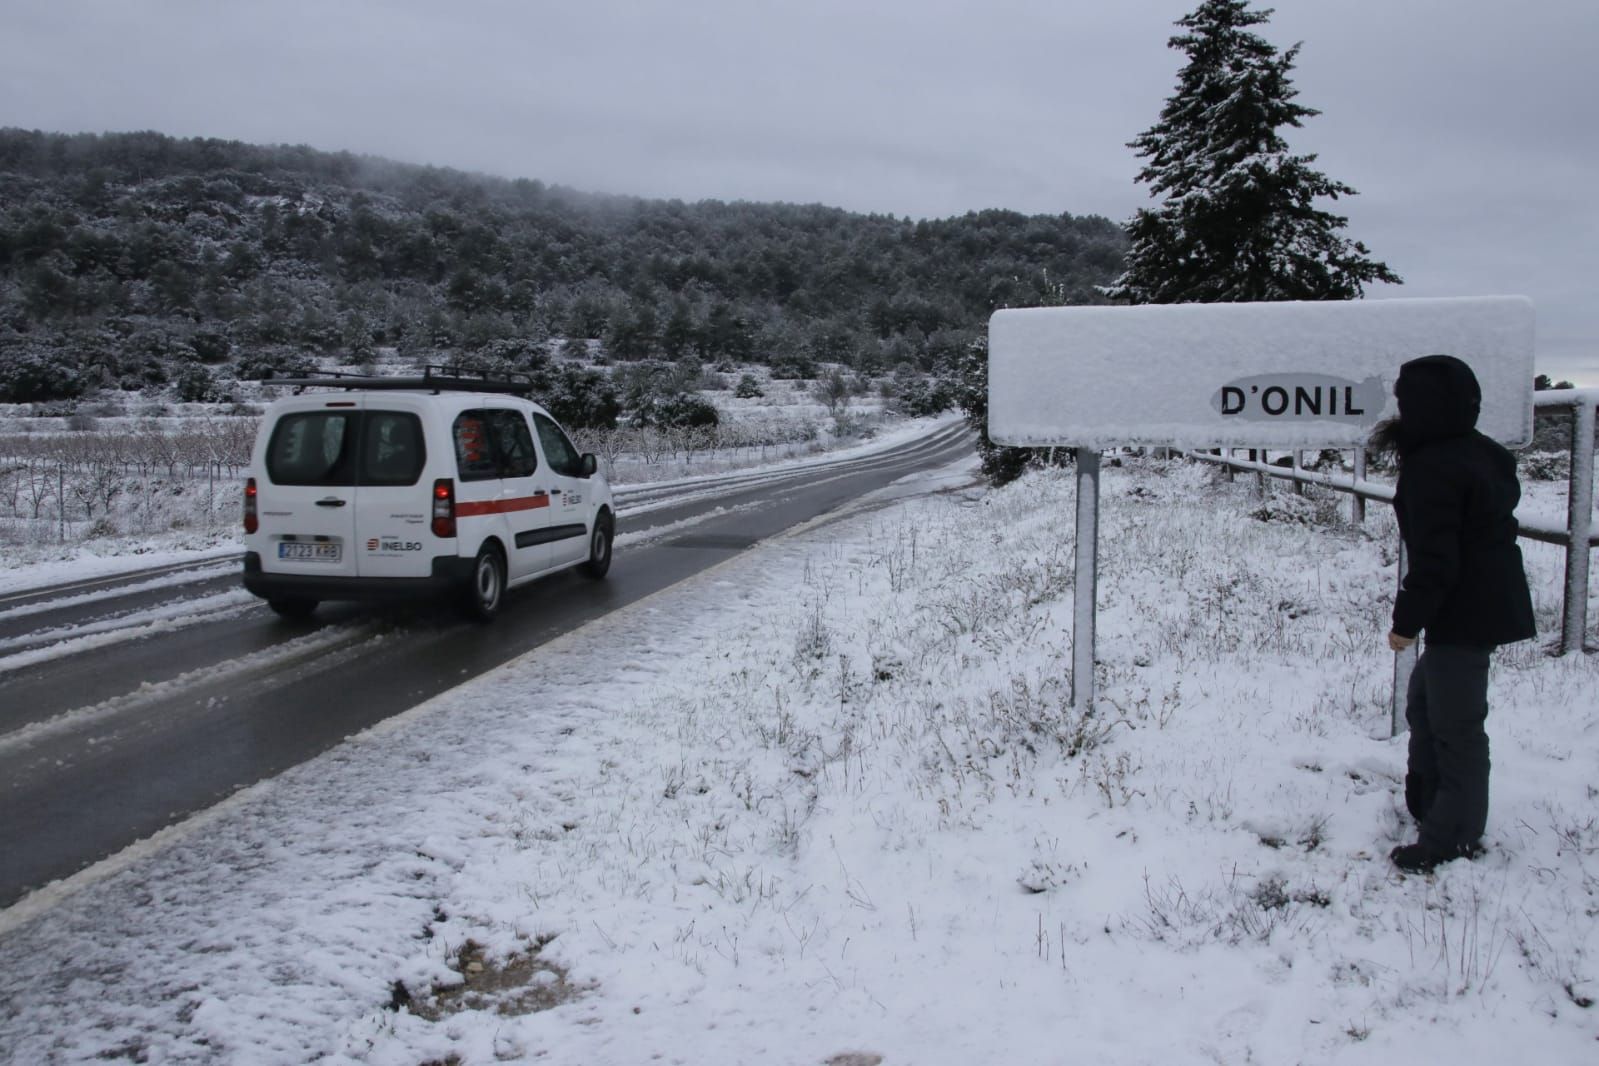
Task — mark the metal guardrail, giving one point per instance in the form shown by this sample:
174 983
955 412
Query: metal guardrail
1578 536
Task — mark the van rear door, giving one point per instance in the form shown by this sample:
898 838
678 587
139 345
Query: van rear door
306 500
393 507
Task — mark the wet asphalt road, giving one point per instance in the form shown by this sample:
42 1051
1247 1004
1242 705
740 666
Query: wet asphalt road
105 746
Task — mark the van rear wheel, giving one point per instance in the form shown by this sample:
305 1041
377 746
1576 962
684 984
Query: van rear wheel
295 607
487 588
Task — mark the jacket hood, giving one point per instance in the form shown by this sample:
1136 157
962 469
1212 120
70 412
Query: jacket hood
1438 397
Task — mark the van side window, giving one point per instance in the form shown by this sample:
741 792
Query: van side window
563 457
474 451
313 448
491 443
514 443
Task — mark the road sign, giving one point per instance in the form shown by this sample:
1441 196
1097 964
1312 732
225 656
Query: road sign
1295 375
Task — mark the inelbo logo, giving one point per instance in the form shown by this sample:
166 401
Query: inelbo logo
1301 398
389 544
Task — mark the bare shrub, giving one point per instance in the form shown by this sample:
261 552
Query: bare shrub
1233 914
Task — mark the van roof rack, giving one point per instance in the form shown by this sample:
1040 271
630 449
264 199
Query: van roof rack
434 378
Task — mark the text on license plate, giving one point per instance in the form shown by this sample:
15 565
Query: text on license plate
309 551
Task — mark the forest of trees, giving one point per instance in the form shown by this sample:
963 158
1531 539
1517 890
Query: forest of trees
139 261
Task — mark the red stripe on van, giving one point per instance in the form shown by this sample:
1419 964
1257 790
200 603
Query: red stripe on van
469 509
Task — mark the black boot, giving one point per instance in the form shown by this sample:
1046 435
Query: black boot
1419 858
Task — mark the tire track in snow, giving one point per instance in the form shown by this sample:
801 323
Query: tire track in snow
169 578
46 644
323 646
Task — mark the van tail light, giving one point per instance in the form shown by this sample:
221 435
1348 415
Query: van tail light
444 507
251 521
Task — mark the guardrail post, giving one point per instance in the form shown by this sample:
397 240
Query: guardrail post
1579 524
1086 585
1357 502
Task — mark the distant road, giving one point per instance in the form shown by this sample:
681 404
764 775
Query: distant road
129 703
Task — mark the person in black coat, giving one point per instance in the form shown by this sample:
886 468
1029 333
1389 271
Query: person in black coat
1465 589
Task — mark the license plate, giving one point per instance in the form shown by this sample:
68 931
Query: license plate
308 551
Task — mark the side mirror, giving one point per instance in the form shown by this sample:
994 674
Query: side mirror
590 464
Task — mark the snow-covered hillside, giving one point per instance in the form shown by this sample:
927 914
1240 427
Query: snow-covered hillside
826 803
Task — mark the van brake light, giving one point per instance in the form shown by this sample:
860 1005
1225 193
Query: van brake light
251 521
444 507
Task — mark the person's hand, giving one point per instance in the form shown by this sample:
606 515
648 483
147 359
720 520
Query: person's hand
1399 643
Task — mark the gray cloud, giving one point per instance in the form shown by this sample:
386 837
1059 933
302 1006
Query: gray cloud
1464 123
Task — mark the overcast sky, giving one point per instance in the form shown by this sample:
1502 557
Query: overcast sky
1467 125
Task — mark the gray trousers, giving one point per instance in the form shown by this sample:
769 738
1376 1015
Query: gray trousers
1446 786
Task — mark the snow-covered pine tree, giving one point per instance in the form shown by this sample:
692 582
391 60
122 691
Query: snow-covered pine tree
965 376
1238 218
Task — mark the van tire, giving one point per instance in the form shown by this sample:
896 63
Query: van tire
292 607
485 589
599 560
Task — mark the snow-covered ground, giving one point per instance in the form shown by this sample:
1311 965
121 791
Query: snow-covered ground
827 803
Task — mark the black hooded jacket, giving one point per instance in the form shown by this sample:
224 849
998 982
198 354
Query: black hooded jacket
1456 502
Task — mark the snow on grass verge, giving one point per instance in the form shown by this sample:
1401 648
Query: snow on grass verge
828 803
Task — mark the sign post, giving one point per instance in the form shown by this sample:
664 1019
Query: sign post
1404 662
1085 585
1286 376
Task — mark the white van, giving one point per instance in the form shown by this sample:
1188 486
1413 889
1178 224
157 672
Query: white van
366 487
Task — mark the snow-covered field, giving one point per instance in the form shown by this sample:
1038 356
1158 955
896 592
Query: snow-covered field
92 486
203 535
827 803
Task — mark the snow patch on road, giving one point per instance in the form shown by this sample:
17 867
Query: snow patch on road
173 580
310 646
164 618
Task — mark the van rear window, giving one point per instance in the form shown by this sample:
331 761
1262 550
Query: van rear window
346 448
391 448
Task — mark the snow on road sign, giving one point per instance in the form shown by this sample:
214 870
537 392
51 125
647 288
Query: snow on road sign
1284 375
